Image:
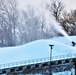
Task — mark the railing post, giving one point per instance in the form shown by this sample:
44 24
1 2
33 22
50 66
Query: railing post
51 47
75 65
74 60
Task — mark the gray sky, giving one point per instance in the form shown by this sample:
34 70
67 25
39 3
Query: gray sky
69 4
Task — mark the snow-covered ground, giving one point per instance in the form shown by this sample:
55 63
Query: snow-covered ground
36 50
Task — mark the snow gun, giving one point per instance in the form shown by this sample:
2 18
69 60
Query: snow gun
73 43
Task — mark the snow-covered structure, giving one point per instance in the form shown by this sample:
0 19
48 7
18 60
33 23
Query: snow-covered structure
37 54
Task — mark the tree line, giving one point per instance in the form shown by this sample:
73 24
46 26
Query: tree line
18 27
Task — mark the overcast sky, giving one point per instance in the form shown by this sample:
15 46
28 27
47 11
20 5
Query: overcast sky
69 4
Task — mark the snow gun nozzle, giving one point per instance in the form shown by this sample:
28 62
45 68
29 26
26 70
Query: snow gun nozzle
73 43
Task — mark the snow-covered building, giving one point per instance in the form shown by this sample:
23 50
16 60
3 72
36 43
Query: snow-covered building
34 58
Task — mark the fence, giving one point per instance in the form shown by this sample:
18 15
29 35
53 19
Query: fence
34 61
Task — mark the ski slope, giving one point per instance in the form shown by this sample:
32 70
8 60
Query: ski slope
36 50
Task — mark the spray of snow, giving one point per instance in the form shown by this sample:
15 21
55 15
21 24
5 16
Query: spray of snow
50 21
41 11
60 29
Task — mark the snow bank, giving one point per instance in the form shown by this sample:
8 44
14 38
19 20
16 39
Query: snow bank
38 49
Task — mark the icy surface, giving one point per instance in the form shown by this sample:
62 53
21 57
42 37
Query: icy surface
38 49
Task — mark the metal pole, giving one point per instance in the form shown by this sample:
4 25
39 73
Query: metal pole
51 46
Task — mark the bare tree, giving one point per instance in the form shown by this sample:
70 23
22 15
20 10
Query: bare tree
9 18
29 25
56 7
68 21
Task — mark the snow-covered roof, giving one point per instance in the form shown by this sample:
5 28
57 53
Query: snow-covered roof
62 49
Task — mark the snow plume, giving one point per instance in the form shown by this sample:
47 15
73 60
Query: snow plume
61 30
50 21
43 13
